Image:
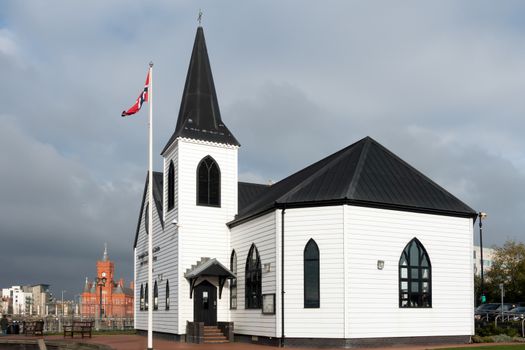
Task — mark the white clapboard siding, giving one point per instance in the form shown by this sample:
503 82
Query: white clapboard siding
142 271
202 230
261 232
372 297
325 226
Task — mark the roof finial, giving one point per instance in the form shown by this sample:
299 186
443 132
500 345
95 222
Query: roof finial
199 18
105 258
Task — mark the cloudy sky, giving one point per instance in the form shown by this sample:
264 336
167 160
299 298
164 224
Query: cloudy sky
441 84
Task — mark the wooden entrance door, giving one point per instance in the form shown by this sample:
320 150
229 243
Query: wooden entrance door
205 304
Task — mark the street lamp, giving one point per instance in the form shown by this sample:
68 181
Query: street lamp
482 215
101 282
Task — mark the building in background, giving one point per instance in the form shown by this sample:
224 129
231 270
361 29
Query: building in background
488 255
117 299
18 301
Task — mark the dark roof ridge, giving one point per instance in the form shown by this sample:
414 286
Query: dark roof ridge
444 191
253 183
357 174
159 209
322 170
276 186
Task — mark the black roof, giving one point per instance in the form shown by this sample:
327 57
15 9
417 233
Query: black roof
199 114
157 198
364 173
248 192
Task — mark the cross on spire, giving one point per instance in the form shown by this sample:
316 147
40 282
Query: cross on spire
199 18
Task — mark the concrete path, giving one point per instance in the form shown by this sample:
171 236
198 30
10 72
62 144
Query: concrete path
136 342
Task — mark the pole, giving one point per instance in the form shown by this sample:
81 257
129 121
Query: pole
481 216
150 214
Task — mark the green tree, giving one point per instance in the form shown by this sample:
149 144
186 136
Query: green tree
508 267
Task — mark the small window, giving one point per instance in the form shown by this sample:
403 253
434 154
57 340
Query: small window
311 275
155 297
146 299
141 297
171 186
167 295
415 276
233 281
208 183
253 279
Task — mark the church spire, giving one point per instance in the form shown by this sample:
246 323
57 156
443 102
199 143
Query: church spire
199 114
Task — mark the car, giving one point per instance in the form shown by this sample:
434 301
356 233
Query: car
498 311
484 310
518 313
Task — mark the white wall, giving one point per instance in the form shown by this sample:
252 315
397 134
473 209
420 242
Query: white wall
202 229
163 321
261 232
325 226
372 298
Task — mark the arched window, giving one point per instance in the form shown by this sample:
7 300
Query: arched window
167 294
171 186
253 279
415 276
208 182
146 300
311 275
155 296
233 281
141 297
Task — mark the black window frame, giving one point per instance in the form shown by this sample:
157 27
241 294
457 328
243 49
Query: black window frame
155 297
167 298
141 300
171 186
233 281
311 301
412 271
253 280
207 182
146 298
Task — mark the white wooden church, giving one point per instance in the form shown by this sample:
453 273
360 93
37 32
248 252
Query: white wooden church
358 248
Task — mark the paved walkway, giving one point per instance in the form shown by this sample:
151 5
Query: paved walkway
136 342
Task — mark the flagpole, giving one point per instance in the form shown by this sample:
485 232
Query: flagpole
150 213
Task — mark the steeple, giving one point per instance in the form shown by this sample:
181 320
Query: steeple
199 115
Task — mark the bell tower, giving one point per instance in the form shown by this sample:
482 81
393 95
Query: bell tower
200 178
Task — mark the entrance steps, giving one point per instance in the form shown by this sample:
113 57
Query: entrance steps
213 335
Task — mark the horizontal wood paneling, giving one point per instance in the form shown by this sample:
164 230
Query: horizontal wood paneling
373 295
325 226
261 232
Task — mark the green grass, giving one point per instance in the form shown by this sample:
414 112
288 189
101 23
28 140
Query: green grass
491 347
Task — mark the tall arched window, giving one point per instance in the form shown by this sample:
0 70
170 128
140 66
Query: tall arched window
233 281
415 276
208 182
171 186
141 297
155 296
146 300
253 279
167 294
311 275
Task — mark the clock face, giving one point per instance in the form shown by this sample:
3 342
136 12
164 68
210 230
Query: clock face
103 274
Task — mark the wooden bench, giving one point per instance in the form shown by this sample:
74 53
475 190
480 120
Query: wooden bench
78 327
33 327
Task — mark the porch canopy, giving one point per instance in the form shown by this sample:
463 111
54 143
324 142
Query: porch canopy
208 268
